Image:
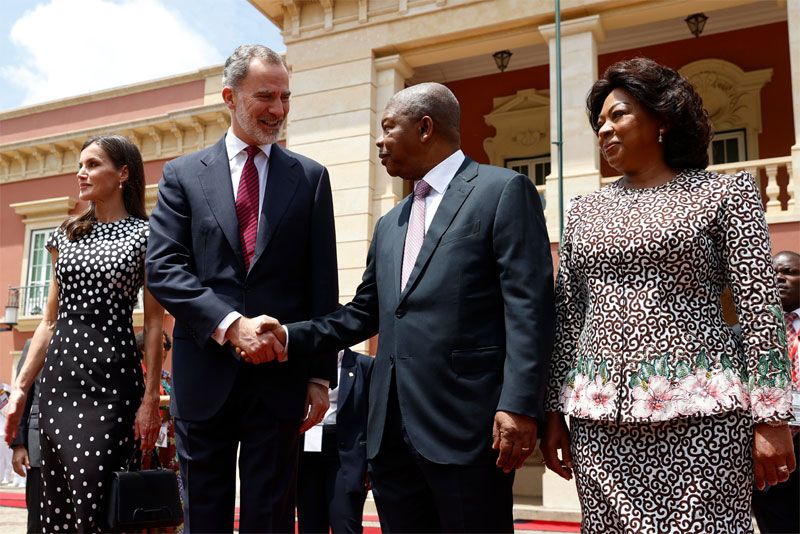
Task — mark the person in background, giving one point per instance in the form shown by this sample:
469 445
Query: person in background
776 508
332 479
94 403
670 421
27 459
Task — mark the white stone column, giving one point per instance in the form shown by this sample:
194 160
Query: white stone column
391 72
793 25
579 38
331 121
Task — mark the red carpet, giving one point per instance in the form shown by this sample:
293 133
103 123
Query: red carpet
17 500
12 500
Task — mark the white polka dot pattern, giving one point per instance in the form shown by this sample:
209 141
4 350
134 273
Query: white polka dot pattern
92 380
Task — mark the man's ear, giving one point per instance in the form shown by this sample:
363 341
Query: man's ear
227 97
425 128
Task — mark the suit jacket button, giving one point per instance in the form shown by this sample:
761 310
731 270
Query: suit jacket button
391 360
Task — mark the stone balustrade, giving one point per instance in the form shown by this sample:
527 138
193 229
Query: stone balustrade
779 188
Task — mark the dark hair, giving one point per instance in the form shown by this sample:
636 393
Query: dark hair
122 152
140 341
670 97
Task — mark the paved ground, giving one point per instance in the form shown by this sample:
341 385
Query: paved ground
13 520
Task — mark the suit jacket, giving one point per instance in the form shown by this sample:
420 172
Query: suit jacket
195 268
28 430
351 419
472 331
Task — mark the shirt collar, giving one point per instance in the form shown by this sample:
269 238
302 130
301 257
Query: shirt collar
234 145
440 176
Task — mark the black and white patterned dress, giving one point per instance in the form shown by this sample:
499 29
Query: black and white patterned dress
92 378
661 393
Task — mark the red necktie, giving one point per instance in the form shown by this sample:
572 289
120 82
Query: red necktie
247 206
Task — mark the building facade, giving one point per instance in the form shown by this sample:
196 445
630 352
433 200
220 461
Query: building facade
349 56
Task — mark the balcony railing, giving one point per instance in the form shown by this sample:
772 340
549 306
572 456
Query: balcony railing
779 188
33 299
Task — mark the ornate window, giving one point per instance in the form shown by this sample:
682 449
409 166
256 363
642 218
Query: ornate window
728 147
732 98
41 217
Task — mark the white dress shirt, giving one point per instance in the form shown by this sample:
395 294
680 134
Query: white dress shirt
439 178
237 157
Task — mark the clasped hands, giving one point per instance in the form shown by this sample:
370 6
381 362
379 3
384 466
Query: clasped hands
258 339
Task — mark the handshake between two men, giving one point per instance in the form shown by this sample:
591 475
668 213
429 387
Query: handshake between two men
258 340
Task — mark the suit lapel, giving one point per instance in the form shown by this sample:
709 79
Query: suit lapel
347 377
215 180
283 176
454 196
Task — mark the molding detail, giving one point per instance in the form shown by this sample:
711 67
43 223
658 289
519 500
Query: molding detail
522 123
395 62
575 26
731 96
47 210
164 136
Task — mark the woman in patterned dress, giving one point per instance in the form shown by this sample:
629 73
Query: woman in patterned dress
669 421
93 401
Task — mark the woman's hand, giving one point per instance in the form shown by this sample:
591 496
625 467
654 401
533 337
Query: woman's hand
556 437
16 407
148 422
773 454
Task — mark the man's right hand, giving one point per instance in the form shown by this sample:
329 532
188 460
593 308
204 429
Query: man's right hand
254 340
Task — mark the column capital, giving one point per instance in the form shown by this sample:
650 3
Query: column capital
575 26
395 62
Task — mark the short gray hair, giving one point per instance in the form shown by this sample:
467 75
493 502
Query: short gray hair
434 100
237 64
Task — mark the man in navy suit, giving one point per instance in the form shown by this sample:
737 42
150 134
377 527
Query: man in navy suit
459 286
332 478
241 229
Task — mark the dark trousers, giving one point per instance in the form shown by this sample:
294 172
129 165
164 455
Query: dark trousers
323 501
267 465
33 497
777 509
413 494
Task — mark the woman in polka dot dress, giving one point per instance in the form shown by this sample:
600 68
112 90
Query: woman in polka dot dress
94 403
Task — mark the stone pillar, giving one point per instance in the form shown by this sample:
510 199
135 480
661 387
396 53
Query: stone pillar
579 38
391 72
331 121
793 25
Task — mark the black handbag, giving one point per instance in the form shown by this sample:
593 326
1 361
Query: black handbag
143 499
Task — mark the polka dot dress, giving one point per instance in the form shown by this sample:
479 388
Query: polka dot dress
92 379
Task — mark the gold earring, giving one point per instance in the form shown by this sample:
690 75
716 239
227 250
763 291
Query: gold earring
120 184
660 136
